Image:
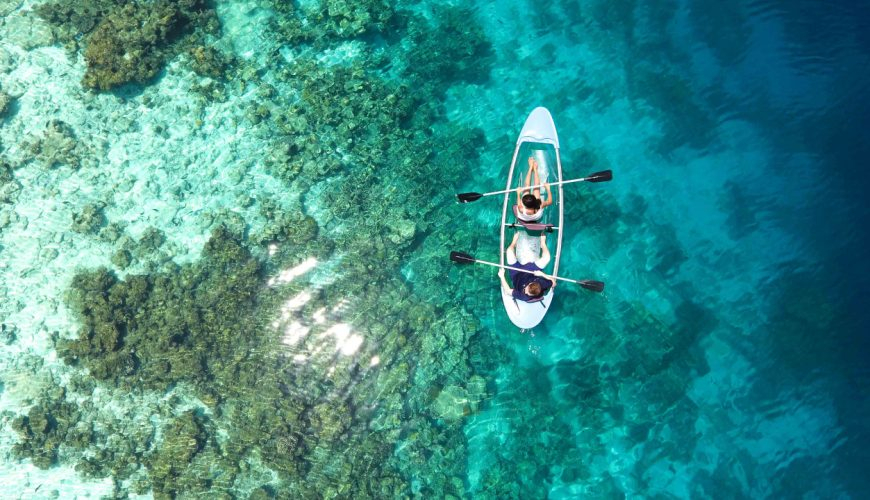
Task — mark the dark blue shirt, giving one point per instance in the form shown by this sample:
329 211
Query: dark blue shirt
520 280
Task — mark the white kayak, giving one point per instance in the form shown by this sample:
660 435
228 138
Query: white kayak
537 139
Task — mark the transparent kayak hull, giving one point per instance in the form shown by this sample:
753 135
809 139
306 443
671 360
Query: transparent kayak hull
537 139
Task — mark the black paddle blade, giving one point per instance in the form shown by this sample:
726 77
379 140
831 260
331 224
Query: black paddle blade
461 258
468 197
595 286
603 176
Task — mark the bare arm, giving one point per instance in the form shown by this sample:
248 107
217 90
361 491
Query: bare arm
513 244
512 247
537 181
504 284
542 275
545 253
549 200
533 168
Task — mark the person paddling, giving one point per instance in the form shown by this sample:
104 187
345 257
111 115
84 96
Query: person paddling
530 205
529 285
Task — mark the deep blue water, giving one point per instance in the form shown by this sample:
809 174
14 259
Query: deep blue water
728 355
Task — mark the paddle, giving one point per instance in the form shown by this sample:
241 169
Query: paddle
603 176
464 258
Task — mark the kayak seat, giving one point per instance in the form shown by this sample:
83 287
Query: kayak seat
531 226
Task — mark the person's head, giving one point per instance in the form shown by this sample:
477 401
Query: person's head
531 201
534 290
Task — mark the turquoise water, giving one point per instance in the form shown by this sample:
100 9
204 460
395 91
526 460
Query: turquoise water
224 234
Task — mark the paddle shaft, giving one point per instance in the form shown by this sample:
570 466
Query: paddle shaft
569 181
493 264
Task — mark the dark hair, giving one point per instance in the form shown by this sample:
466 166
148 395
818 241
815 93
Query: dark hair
535 289
531 201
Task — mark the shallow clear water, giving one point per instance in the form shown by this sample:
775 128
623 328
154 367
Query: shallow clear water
323 345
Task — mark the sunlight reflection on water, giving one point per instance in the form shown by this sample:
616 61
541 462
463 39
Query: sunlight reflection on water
288 275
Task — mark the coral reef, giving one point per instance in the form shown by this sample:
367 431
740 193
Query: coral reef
9 187
301 232
199 325
333 19
454 50
156 330
5 102
58 146
41 433
381 360
8 333
122 259
6 174
150 241
89 219
209 61
169 468
129 42
112 232
72 20
686 118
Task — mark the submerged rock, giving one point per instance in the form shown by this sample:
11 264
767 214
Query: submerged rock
57 146
209 61
403 231
8 332
452 403
89 219
5 102
122 259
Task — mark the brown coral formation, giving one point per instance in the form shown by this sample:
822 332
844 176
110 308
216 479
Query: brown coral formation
132 42
129 42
